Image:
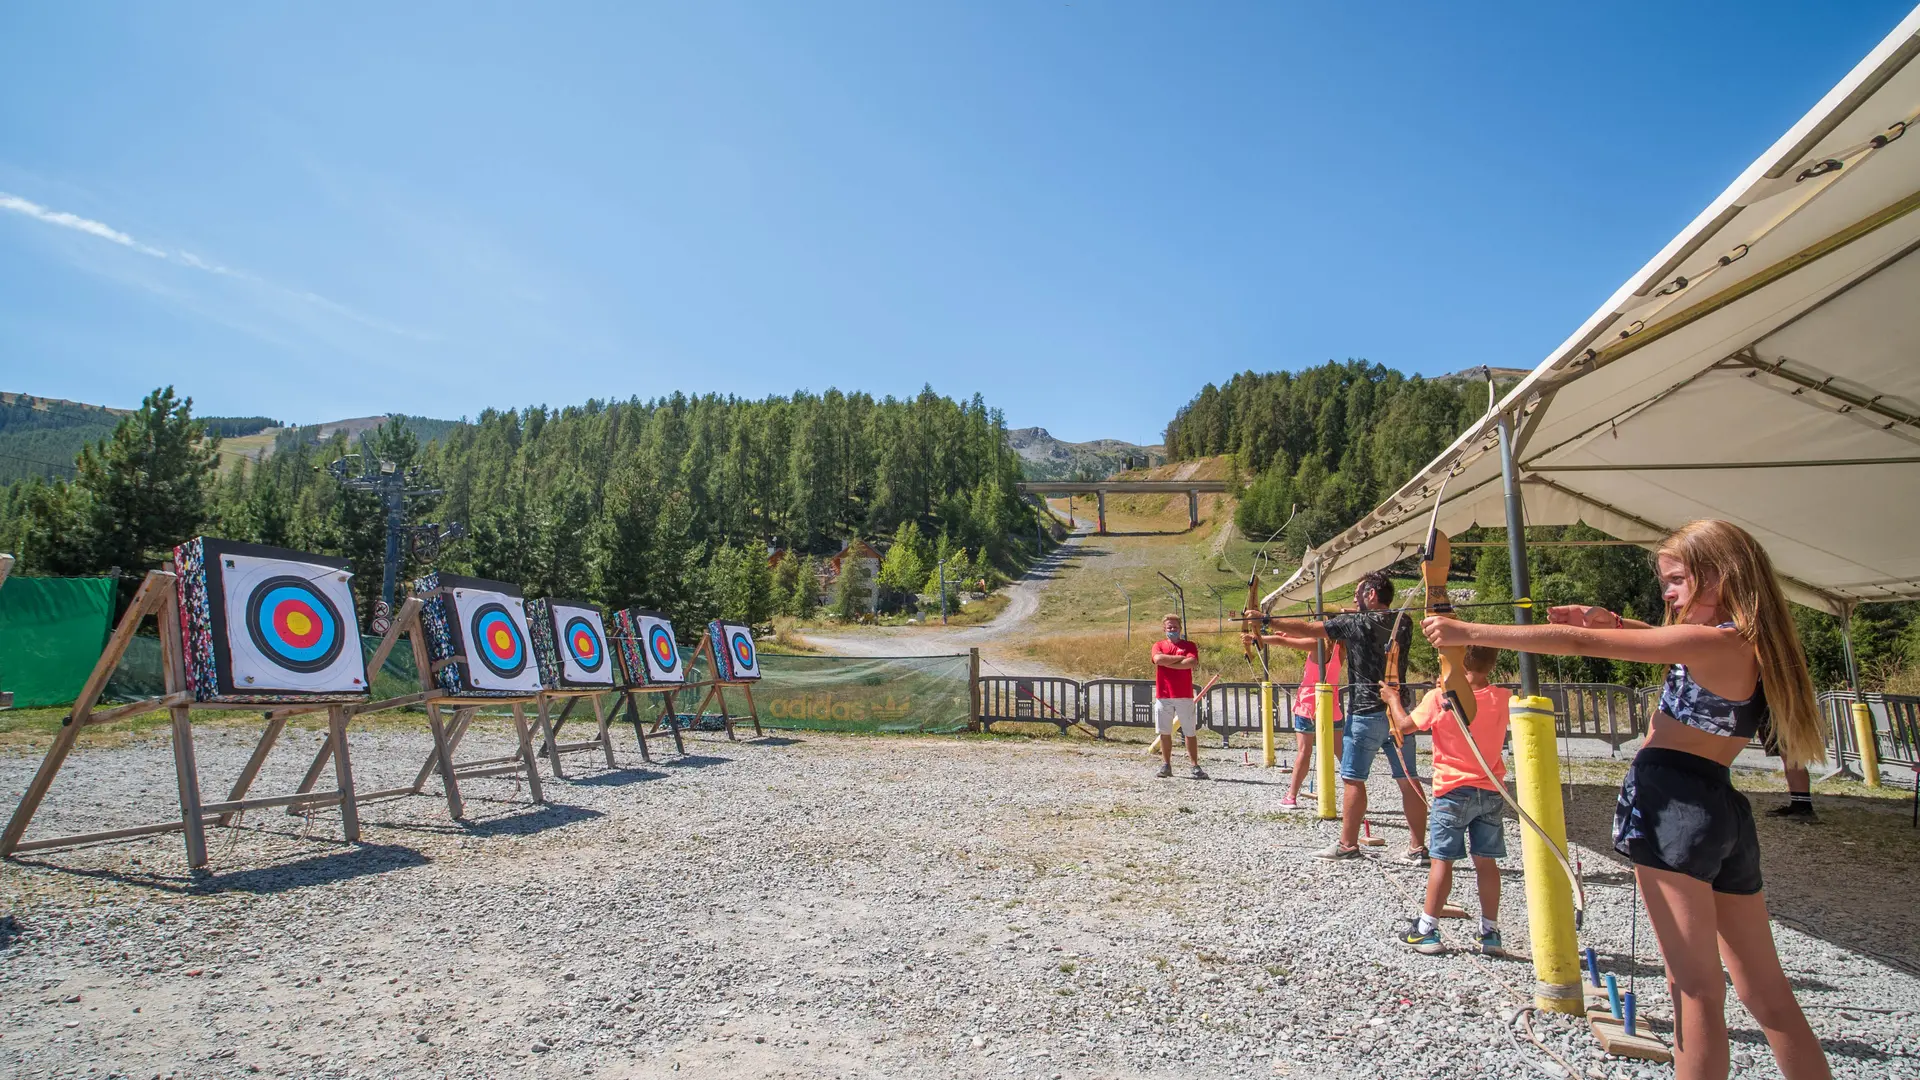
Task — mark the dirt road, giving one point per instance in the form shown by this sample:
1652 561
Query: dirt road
1023 600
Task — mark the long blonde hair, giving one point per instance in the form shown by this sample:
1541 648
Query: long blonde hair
1750 596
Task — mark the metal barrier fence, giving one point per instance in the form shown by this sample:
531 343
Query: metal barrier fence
1896 729
1606 711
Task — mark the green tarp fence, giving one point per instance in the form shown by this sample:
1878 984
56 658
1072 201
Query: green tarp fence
51 633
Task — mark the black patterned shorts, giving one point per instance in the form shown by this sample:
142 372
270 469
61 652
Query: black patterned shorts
1680 812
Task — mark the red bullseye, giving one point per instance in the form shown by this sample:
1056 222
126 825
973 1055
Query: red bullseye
297 623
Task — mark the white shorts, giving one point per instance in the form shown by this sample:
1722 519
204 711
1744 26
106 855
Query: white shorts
1167 710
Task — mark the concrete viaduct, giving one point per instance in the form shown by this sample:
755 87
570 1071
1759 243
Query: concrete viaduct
1102 488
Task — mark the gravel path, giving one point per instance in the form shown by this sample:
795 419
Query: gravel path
826 907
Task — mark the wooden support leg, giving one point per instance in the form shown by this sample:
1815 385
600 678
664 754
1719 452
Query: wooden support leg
753 711
670 708
275 725
42 780
526 753
343 772
442 758
320 759
187 773
726 711
148 600
547 738
600 717
633 717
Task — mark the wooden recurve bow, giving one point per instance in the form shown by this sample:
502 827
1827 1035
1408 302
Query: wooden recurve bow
1436 558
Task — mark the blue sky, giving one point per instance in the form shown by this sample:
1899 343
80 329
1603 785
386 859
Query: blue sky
1083 211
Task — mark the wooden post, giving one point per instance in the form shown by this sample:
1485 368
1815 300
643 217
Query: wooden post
526 753
343 772
600 718
547 737
973 689
186 770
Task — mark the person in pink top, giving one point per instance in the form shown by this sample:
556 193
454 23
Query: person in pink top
1468 815
1303 708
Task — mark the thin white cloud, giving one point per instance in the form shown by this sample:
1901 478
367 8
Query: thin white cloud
110 234
74 221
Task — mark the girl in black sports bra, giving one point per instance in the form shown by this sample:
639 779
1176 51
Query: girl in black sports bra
1735 659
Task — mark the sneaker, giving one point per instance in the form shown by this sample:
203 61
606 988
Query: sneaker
1801 810
1336 852
1288 802
1199 773
1428 943
1416 857
1490 944
1165 771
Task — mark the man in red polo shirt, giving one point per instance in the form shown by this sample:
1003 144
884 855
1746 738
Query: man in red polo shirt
1173 662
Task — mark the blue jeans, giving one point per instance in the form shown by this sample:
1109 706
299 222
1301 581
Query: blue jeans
1467 819
1367 733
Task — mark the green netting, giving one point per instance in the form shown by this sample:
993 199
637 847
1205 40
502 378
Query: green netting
139 676
854 693
51 632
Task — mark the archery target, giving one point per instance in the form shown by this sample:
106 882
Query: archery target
582 641
660 650
493 627
290 626
742 660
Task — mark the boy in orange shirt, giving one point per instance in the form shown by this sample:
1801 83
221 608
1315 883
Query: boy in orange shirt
1468 814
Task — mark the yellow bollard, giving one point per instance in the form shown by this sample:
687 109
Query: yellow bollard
1266 724
1326 751
1536 782
1869 747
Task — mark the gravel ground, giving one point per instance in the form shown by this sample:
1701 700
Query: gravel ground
826 906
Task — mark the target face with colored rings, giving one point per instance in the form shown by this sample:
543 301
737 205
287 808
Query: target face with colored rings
742 648
583 640
293 624
665 653
497 643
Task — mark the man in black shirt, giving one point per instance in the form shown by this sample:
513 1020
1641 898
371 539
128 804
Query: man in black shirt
1366 635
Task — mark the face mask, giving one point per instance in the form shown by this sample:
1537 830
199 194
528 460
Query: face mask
1173 635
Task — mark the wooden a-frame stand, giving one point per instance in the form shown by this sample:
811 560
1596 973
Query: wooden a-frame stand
157 597
550 732
665 725
717 690
446 739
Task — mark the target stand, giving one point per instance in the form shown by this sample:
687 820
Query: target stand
734 661
241 627
570 645
415 621
651 666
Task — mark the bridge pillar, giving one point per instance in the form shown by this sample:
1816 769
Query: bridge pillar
1193 509
1102 497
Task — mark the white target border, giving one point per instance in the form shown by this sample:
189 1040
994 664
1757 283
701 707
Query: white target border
732 666
643 623
466 600
562 612
252 672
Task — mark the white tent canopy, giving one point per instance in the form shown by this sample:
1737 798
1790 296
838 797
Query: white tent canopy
1764 368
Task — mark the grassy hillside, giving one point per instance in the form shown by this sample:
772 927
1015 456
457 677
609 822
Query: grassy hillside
1082 624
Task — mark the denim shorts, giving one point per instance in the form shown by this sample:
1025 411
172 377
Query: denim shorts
1467 819
1305 723
1367 734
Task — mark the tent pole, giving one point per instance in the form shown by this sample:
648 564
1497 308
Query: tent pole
1862 716
1517 552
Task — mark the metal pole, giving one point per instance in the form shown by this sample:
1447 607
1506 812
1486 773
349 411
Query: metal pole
396 521
943 592
1863 735
1517 553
